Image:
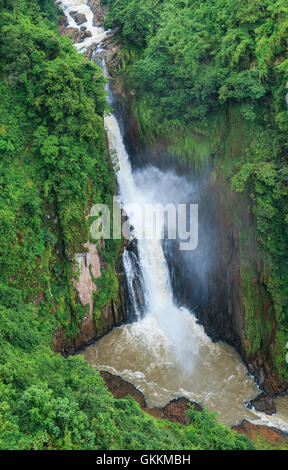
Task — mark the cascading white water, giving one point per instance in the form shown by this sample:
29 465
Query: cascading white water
157 288
166 353
80 6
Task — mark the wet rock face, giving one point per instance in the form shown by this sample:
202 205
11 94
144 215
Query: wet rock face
264 403
112 48
99 12
235 298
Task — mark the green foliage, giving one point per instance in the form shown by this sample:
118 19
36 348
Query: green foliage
190 78
258 315
53 161
266 176
136 17
107 290
48 402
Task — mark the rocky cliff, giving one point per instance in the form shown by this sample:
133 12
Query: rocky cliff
95 324
230 296
89 267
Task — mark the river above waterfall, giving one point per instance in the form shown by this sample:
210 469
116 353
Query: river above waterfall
166 353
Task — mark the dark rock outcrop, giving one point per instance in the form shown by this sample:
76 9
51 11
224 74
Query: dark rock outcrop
264 403
79 18
120 388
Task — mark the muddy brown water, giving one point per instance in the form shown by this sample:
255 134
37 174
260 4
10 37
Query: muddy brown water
216 377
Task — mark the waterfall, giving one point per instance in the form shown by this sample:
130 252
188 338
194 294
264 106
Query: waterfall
156 287
165 352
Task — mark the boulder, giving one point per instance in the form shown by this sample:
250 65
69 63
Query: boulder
74 33
176 410
120 388
264 403
79 18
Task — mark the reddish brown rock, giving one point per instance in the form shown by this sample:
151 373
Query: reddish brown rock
74 34
175 411
263 437
120 388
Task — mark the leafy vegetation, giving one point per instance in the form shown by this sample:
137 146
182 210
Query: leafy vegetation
212 75
54 162
48 402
